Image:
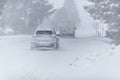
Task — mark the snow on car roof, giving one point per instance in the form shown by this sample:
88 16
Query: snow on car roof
39 28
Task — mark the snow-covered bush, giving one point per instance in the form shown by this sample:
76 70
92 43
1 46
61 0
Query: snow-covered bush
107 11
8 31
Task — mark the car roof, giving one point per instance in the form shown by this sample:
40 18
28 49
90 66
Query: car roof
44 29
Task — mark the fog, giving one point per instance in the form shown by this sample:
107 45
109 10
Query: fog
59 40
86 27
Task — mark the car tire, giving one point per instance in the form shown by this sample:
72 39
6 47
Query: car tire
73 34
57 46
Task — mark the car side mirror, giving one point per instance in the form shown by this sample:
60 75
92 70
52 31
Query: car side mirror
58 34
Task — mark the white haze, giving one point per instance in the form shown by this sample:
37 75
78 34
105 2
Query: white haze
86 27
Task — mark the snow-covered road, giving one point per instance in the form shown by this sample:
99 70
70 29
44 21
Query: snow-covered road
75 59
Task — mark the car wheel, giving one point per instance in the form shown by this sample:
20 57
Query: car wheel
73 34
57 46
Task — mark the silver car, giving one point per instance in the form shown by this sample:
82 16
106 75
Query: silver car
44 39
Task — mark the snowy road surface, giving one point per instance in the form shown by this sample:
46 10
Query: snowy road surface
80 58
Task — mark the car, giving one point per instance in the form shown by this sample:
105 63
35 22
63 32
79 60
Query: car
45 39
65 28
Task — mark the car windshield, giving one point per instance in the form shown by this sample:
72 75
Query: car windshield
44 32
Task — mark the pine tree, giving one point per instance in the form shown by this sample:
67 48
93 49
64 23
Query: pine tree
39 10
2 4
25 15
68 13
107 11
71 11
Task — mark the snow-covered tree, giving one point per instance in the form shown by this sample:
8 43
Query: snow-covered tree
2 5
68 13
25 15
107 11
39 10
72 12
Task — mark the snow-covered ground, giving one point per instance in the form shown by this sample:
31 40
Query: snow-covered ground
86 58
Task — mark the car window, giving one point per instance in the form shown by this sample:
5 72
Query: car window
44 32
